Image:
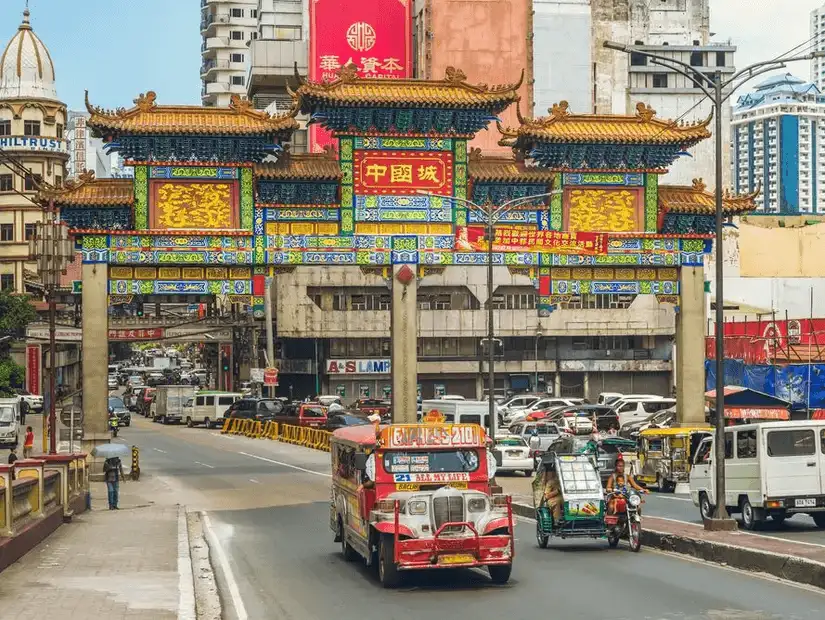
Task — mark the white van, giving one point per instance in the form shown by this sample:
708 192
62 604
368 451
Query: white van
639 407
772 469
459 411
9 422
208 408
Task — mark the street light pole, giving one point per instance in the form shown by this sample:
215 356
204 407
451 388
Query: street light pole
536 367
714 89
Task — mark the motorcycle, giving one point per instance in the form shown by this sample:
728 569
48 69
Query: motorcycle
626 522
113 423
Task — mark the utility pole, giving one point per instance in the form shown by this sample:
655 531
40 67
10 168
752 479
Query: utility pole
717 91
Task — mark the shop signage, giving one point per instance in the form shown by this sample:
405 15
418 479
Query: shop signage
61 334
271 376
155 333
33 357
756 413
358 367
378 172
25 143
509 239
373 35
256 375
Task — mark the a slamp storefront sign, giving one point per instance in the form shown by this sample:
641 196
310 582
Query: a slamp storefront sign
358 367
27 143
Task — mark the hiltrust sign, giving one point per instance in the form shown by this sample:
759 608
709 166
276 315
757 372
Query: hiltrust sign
358 367
33 144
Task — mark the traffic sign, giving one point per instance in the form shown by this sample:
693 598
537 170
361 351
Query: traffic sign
271 376
256 375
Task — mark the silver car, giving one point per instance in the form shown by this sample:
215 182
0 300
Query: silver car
547 433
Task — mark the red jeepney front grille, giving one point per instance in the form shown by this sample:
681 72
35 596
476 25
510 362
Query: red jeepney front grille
448 510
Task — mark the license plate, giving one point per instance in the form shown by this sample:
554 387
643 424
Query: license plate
513 453
456 558
805 503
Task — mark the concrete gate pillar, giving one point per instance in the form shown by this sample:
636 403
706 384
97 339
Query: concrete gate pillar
95 354
404 340
690 347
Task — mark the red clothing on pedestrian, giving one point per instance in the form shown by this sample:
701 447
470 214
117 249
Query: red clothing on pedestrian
29 441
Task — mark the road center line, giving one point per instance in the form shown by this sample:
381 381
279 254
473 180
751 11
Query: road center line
282 464
159 450
205 465
255 481
678 499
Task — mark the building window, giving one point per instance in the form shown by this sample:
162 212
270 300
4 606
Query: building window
253 35
638 60
31 128
287 33
6 183
237 80
6 232
59 131
236 35
697 59
30 230
660 80
5 128
32 182
58 181
254 13
720 59
237 58
599 302
237 12
7 282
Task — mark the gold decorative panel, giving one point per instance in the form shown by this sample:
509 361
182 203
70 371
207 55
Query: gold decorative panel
581 273
668 273
168 273
120 273
645 274
625 273
145 273
216 273
560 273
193 273
193 205
603 210
327 229
239 273
603 273
302 229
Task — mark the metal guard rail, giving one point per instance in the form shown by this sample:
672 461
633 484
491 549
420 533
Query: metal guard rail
307 437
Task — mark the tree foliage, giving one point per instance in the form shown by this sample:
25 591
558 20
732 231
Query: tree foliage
15 313
12 376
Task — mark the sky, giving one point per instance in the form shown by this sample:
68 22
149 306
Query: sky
119 48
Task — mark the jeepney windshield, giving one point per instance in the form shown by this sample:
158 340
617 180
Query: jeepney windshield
439 461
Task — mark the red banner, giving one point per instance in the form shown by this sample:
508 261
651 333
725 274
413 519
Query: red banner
155 333
399 172
756 413
373 35
760 342
33 370
474 239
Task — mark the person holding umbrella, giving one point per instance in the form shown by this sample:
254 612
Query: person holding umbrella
112 469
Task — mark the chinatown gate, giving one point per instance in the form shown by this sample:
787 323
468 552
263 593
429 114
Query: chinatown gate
217 205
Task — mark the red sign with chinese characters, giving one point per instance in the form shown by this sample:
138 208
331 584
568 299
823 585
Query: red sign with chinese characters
402 172
155 333
373 35
33 358
473 239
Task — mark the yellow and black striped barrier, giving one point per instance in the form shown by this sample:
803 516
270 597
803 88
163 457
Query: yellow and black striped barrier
314 438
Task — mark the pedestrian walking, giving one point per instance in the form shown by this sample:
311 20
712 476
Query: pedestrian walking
24 409
28 443
12 455
113 473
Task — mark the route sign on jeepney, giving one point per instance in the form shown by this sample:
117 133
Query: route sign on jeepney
434 417
433 436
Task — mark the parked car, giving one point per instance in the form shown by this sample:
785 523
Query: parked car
209 408
605 417
576 422
370 406
515 455
259 409
9 422
608 398
34 401
156 378
113 384
118 407
631 408
660 419
327 400
548 432
542 404
303 414
341 420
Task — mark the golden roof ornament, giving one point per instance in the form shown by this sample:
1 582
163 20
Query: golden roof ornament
455 76
240 104
146 102
699 185
560 110
348 73
644 112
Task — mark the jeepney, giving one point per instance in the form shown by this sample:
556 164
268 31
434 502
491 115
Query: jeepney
418 496
665 455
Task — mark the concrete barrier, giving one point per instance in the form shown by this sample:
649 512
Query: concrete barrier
36 495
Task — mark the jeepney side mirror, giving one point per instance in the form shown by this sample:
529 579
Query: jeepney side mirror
361 461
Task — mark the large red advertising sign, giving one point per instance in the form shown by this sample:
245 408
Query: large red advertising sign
126 335
33 370
509 239
373 35
402 172
760 342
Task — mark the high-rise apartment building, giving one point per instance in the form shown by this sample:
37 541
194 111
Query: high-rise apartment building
779 142
818 38
227 28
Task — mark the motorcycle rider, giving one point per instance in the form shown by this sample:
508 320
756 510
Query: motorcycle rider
620 481
114 422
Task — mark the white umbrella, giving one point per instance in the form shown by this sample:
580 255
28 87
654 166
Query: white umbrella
112 450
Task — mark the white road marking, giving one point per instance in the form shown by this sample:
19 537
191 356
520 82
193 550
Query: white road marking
220 556
282 464
255 481
205 465
186 579
159 450
678 499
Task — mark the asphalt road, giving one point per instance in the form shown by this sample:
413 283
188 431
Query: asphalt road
267 506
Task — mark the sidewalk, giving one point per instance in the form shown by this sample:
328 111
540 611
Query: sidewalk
104 564
786 559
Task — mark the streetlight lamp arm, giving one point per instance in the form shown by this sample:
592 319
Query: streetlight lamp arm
780 62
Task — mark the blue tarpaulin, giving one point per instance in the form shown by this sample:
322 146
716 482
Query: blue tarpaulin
789 382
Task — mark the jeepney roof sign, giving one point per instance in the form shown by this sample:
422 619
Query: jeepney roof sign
434 417
433 436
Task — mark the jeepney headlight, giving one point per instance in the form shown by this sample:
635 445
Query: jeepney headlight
634 500
477 504
417 507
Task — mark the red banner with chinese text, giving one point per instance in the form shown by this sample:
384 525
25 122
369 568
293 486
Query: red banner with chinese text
765 341
402 172
155 333
474 239
33 370
373 35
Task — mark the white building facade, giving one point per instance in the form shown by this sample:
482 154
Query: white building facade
818 36
779 144
227 28
89 153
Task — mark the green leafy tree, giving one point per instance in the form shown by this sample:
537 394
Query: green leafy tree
15 313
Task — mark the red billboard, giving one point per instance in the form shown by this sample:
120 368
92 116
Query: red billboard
33 369
474 239
402 172
766 341
373 35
